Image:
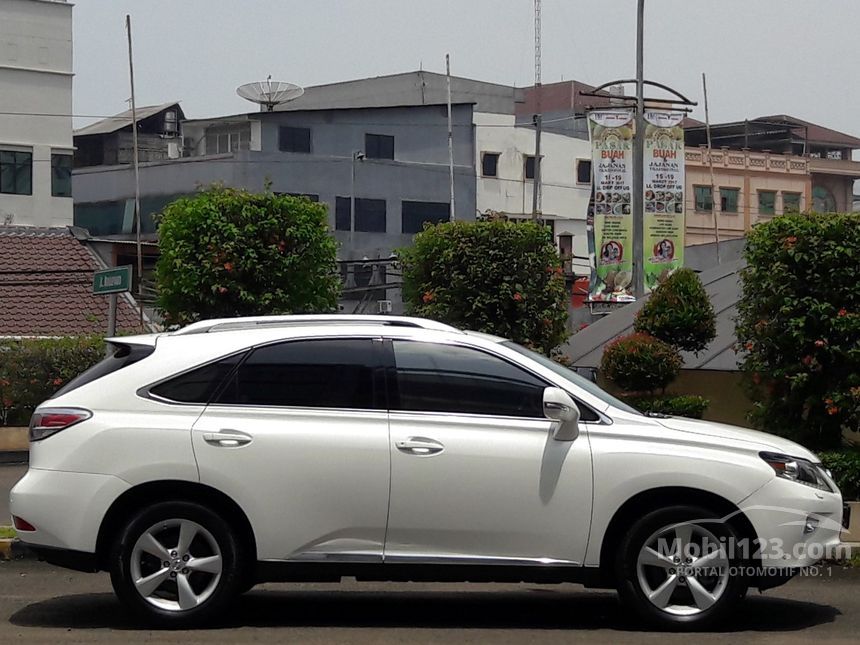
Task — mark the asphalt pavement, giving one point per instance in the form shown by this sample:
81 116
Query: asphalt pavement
43 604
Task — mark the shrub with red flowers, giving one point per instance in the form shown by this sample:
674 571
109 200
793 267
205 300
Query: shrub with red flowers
799 322
228 252
640 363
499 277
31 370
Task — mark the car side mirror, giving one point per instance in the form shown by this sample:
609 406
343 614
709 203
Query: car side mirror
561 408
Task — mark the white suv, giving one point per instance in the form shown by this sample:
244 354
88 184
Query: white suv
194 464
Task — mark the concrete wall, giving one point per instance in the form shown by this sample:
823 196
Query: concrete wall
563 200
419 171
36 78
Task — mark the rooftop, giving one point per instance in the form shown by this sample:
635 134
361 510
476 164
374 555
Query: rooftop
123 119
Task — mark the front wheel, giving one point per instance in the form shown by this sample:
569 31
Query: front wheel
177 564
675 569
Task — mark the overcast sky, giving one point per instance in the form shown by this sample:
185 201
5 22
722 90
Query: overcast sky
761 56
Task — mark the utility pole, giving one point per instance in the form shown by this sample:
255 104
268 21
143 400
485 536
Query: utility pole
538 117
638 160
450 138
136 180
715 203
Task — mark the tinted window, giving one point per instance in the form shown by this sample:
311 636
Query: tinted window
124 356
314 373
16 172
530 167
294 139
61 175
200 384
378 146
370 215
490 164
583 171
414 214
446 378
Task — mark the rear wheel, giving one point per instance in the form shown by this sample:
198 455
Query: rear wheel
177 564
674 568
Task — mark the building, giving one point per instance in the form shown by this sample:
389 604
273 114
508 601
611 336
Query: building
765 167
36 102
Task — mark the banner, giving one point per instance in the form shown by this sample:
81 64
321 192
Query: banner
664 195
611 133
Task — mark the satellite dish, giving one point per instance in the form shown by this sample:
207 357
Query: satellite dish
269 93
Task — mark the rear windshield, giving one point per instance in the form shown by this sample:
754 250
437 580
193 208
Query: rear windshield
123 356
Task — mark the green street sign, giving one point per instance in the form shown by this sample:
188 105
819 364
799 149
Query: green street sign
113 280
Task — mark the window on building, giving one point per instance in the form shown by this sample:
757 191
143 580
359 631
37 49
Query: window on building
704 199
790 202
490 164
529 166
583 171
336 373
61 175
16 172
766 202
294 139
415 214
446 378
370 215
729 198
823 200
378 146
220 141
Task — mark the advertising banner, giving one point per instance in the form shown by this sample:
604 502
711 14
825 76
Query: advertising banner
611 133
664 195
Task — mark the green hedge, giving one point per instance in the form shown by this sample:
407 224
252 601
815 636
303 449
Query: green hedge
684 405
845 467
31 370
640 363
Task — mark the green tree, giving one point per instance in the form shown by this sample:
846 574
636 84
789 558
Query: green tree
227 252
640 363
679 312
799 326
497 277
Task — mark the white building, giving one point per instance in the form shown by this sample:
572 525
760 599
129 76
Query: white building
35 80
505 179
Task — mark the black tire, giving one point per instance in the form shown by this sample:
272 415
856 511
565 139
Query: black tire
634 596
221 590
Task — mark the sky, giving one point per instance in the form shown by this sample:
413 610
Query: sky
761 57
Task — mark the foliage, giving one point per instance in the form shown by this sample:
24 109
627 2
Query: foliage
845 467
31 370
640 363
227 252
799 326
683 405
679 312
498 277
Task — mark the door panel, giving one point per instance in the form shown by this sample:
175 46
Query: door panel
475 473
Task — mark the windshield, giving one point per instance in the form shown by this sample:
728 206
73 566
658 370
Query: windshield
573 377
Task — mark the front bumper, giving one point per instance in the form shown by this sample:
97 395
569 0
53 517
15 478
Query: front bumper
796 525
66 508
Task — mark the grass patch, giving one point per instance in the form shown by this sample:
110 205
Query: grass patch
7 532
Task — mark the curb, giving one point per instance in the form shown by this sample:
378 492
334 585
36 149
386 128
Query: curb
14 457
13 549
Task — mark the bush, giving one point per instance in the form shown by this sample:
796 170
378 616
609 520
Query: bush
845 467
679 312
498 277
799 325
640 363
228 252
684 405
31 370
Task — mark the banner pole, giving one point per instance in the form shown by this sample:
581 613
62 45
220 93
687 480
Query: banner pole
638 196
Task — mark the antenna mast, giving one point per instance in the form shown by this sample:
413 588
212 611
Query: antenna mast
538 117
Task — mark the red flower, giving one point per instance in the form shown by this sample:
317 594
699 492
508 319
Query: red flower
58 381
228 266
832 409
842 312
789 242
748 347
820 343
222 290
428 297
518 297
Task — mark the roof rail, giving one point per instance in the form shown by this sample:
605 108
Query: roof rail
260 322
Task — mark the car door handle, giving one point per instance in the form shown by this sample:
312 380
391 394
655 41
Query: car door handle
227 438
420 446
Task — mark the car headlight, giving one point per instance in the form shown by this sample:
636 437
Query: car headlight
799 470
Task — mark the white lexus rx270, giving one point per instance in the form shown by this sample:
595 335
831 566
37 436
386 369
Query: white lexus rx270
192 465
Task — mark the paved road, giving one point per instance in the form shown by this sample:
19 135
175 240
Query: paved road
39 603
9 474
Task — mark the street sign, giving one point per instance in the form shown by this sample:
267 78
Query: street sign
113 280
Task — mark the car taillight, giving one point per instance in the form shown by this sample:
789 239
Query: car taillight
49 421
